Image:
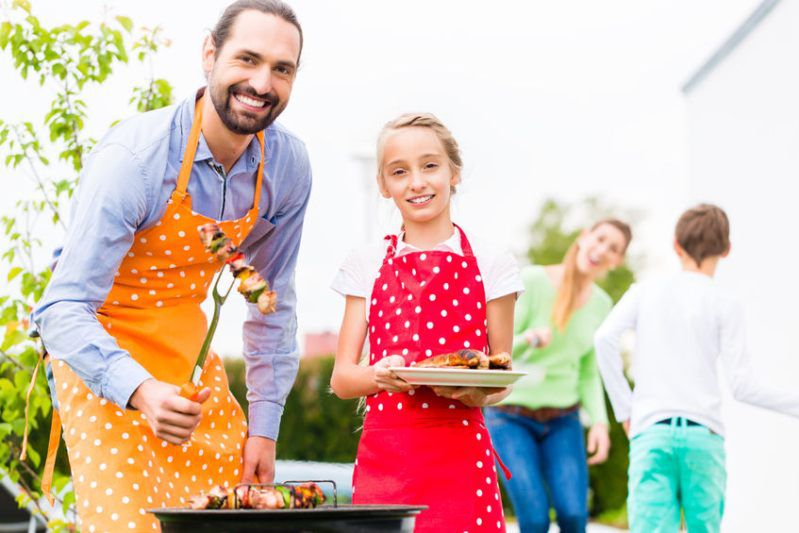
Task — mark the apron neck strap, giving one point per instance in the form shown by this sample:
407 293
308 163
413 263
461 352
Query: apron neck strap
465 246
391 250
259 181
191 147
191 150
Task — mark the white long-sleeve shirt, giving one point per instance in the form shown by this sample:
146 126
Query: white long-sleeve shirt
683 325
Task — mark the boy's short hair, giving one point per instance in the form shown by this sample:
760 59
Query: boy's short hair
703 231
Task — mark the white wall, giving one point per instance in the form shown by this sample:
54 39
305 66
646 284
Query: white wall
743 146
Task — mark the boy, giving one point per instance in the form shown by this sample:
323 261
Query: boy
683 324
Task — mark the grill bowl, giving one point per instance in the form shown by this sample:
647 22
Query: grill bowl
324 519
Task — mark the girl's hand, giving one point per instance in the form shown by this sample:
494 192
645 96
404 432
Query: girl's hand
598 444
386 379
470 396
538 337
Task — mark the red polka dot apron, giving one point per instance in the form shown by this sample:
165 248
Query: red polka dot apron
119 468
418 448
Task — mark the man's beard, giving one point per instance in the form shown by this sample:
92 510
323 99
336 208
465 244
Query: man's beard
242 122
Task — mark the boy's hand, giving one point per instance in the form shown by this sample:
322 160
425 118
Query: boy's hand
386 379
470 396
598 444
626 426
538 337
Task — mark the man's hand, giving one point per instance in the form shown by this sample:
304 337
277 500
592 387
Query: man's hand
387 380
259 460
470 396
598 444
172 417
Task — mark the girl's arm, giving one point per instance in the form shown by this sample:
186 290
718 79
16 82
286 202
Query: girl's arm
500 334
350 379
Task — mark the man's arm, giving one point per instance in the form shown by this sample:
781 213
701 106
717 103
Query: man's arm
270 344
111 201
607 342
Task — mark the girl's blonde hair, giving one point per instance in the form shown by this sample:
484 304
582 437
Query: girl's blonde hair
573 279
421 120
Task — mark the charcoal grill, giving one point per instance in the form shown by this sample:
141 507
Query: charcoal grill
324 519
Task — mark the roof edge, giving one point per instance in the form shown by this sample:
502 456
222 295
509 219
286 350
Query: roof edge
732 42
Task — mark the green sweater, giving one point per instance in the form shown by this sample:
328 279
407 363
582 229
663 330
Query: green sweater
571 372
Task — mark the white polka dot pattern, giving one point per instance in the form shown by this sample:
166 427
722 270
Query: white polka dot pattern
119 467
441 312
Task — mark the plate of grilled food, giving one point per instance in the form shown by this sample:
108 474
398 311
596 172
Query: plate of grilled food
464 368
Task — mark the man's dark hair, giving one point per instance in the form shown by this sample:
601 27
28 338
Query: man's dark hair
703 231
221 31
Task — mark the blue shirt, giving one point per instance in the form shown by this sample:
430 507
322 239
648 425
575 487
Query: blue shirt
123 189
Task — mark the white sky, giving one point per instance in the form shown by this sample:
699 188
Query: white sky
563 99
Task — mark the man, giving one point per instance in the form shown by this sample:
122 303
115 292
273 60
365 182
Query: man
121 318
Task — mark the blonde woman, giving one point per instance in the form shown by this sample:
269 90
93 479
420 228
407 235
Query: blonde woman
537 429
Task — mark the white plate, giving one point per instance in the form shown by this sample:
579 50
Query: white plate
457 377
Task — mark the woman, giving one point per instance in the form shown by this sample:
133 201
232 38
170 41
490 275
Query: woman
537 429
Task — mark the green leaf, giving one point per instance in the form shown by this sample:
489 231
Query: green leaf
24 5
14 272
5 32
34 456
68 501
125 22
12 338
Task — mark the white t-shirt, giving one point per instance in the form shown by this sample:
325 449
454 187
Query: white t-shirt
356 277
684 325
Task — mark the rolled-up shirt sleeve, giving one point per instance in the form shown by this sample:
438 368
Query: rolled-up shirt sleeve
270 341
110 203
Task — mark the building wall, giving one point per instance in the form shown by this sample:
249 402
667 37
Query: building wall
743 153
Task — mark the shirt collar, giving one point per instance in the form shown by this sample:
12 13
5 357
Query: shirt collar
452 244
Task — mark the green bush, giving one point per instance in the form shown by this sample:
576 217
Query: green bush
316 425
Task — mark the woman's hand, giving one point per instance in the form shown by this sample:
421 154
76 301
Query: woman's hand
598 444
538 337
387 380
472 396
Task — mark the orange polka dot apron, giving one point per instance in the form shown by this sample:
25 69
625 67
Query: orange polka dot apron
119 468
418 448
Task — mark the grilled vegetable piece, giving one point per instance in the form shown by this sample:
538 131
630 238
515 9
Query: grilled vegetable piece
500 361
468 358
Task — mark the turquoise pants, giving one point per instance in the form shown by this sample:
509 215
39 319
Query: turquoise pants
675 467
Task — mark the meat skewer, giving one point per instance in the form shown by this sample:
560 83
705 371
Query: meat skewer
302 496
251 285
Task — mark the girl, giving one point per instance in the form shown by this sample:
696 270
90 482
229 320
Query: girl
537 429
424 292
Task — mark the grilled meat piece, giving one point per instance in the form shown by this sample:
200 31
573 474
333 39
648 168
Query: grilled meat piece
467 358
500 361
